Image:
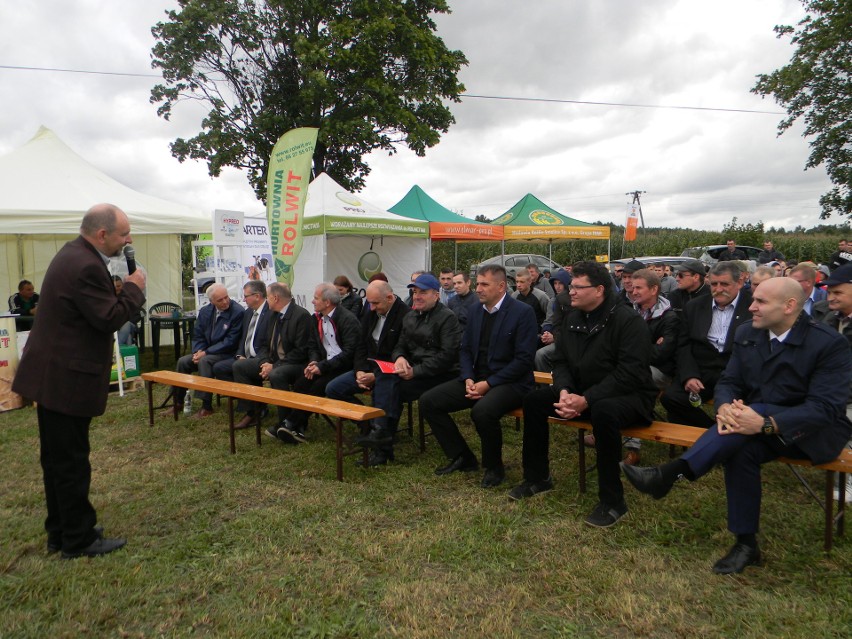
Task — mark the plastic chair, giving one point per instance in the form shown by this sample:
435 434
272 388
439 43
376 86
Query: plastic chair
168 307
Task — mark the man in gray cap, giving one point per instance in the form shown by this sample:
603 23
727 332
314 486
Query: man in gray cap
690 283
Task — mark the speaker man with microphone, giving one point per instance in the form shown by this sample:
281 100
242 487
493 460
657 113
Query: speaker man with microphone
65 367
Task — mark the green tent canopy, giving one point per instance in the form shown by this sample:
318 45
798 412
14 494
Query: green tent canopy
533 220
443 223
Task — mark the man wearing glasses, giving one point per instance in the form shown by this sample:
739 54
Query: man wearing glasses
601 373
690 283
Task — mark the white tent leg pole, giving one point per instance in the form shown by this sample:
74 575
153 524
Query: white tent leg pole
118 366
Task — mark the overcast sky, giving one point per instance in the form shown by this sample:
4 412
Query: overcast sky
698 168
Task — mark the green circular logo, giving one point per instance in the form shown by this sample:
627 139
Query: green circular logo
368 265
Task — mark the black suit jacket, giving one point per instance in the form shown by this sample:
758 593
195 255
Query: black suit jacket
369 349
261 336
293 331
696 356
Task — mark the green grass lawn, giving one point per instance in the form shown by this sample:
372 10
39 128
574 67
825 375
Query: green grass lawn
266 543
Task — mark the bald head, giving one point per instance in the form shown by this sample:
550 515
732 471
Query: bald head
107 228
776 304
379 296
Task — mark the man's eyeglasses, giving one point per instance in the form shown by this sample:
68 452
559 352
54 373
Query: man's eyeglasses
680 275
579 287
619 271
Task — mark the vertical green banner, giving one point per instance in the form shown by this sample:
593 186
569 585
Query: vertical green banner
286 193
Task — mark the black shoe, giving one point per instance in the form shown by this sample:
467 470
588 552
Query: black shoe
377 458
493 477
647 480
603 516
100 546
290 433
461 464
738 557
272 431
527 489
54 543
376 438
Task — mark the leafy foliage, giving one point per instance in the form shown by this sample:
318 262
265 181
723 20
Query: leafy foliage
370 74
816 86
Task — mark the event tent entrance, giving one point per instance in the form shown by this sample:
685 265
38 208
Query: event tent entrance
345 235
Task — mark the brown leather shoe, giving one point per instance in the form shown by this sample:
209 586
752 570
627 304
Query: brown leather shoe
589 440
170 412
201 414
245 422
631 458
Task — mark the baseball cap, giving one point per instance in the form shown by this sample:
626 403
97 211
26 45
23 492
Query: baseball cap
633 265
695 266
426 281
841 275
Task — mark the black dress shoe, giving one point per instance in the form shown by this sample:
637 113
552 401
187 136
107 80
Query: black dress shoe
54 542
377 458
737 559
100 546
376 438
461 464
647 480
493 477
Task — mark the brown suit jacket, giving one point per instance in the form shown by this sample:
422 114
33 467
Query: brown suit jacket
67 359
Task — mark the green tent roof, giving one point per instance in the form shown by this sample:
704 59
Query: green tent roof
530 211
418 205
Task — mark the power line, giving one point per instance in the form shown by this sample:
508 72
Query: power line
620 104
463 95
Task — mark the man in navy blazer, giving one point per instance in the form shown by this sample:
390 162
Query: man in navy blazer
705 343
783 394
215 338
496 362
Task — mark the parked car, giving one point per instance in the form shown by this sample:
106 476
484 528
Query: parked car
515 262
710 254
653 259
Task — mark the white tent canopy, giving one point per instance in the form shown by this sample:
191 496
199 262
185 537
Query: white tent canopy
345 235
46 188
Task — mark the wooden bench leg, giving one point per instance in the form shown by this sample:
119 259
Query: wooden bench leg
231 429
339 437
829 509
149 386
841 504
581 451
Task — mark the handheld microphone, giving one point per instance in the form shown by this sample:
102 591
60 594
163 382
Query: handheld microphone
130 256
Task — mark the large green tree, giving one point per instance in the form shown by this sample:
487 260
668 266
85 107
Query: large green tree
817 86
370 74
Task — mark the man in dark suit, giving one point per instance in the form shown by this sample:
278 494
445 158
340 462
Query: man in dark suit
705 343
332 342
66 367
783 394
381 327
732 253
215 338
253 340
284 352
496 361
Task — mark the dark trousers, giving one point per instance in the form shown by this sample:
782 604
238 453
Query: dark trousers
608 416
742 456
205 369
315 386
390 392
437 404
284 377
67 474
675 400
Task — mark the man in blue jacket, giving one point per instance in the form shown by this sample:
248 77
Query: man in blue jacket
216 337
497 351
782 394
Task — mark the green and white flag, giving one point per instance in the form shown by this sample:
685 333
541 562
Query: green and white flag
286 193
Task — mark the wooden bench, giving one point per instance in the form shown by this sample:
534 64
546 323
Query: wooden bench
332 408
681 435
